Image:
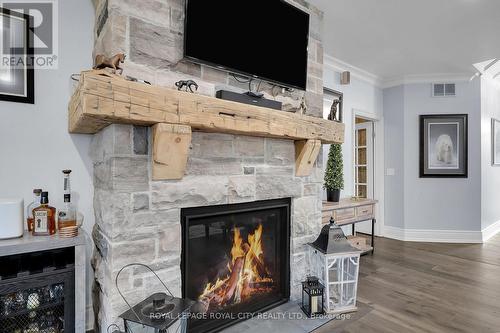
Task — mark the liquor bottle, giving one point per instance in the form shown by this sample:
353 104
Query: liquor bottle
67 215
44 217
29 211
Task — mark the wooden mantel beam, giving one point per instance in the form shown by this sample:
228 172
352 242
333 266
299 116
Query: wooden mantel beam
102 99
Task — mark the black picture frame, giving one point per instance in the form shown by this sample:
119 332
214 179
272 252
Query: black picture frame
455 151
28 95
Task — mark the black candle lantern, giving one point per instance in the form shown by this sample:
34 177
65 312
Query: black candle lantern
312 297
159 313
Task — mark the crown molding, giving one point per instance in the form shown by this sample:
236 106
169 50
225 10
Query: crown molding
426 78
342 66
382 82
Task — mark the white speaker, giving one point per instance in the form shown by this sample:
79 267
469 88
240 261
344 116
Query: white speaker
11 218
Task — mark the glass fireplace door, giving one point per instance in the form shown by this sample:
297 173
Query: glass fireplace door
235 260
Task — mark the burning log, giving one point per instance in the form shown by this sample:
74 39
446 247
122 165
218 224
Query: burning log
247 274
232 283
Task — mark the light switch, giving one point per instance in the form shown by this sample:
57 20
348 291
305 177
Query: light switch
390 172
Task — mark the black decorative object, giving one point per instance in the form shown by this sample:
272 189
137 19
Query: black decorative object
16 72
336 98
332 240
443 146
312 297
156 313
187 85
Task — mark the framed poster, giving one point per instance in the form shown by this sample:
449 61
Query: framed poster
495 141
16 68
443 146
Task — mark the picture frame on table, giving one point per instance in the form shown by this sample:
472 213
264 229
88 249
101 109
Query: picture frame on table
444 146
17 77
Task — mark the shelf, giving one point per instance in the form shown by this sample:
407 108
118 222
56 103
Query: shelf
102 98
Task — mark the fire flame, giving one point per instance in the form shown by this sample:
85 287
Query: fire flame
247 273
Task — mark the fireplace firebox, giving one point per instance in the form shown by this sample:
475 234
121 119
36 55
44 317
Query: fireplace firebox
235 261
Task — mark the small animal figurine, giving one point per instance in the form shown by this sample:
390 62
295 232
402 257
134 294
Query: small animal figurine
334 111
187 84
303 106
102 61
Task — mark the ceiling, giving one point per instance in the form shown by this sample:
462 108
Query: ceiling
400 38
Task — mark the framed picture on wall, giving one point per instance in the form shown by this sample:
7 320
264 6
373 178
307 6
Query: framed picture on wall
495 141
443 146
16 70
335 101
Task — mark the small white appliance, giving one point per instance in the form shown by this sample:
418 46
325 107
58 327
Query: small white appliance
11 218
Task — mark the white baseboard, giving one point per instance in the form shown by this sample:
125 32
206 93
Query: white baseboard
433 236
491 231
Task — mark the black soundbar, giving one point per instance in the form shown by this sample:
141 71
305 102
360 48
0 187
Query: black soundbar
247 98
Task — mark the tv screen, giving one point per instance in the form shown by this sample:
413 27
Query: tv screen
265 39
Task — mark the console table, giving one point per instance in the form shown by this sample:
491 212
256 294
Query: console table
350 212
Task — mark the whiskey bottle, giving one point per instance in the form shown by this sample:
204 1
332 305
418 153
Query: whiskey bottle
67 214
44 217
29 211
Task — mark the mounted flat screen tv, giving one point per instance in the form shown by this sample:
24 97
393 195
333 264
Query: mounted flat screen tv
263 39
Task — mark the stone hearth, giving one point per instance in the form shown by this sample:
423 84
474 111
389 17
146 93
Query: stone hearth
137 219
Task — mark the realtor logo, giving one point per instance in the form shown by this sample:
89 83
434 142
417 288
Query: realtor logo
43 31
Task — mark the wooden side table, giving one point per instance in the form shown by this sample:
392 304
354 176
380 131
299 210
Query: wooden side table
350 212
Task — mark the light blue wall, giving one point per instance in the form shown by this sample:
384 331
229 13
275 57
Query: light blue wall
393 151
430 203
490 174
358 95
442 203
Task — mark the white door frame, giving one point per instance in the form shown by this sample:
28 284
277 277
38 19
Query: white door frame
378 163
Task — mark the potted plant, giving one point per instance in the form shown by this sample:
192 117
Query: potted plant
334 175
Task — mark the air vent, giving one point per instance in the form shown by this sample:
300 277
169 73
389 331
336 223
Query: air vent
443 89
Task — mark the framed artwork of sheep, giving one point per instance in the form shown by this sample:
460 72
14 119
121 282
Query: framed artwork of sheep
443 146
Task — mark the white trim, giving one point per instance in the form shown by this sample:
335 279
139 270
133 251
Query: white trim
383 82
426 78
491 231
378 163
434 236
341 66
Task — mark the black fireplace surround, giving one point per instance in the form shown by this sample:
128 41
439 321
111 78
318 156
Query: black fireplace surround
235 261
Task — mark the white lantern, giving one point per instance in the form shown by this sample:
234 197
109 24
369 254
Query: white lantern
336 263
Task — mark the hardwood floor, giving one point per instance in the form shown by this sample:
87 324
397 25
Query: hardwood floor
427 287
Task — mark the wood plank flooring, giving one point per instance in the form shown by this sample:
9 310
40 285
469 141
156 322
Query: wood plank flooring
427 287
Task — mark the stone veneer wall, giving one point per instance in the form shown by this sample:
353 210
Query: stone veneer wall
137 219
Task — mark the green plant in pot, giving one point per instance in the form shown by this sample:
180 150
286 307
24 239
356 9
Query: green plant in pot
334 175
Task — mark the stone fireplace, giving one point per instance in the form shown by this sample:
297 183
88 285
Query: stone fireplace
140 220
235 259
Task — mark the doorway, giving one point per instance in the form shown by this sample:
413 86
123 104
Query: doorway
364 161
